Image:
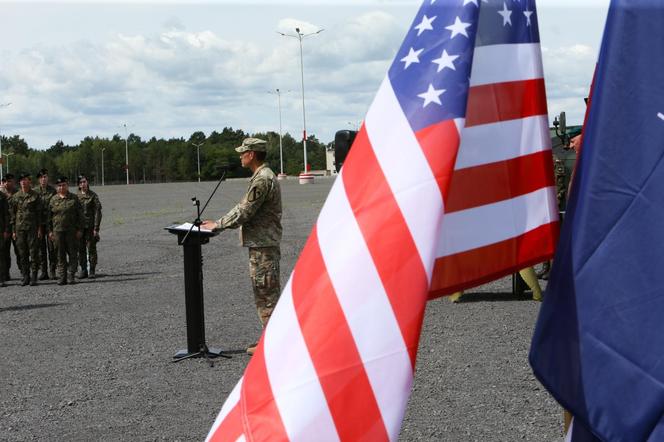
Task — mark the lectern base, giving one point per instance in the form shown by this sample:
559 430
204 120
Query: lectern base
208 353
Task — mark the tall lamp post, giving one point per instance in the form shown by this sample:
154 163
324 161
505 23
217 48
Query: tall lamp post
198 156
281 175
102 165
7 155
1 106
305 177
126 153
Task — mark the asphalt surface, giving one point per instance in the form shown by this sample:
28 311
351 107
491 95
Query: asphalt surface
93 361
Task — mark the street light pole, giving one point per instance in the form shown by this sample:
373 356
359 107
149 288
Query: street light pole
126 153
305 177
102 165
198 155
281 175
1 106
7 155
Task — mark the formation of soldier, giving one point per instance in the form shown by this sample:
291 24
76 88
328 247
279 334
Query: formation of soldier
52 230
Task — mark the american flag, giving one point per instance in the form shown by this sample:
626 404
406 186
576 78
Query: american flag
337 358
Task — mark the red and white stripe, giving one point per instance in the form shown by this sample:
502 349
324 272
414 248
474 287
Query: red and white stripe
336 360
500 214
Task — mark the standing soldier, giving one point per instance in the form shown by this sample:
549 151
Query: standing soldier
8 187
65 226
92 219
26 211
258 215
47 257
4 233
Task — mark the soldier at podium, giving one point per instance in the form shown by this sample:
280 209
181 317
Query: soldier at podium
258 215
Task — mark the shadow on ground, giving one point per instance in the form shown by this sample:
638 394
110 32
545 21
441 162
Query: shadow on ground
18 308
493 297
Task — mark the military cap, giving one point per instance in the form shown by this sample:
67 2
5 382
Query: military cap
255 144
42 172
61 180
24 175
81 178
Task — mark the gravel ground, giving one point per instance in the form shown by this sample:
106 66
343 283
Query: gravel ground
93 361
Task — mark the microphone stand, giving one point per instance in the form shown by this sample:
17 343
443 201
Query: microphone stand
197 222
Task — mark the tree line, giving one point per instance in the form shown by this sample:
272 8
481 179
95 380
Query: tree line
157 160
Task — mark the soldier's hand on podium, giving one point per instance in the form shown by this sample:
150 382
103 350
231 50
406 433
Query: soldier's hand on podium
208 224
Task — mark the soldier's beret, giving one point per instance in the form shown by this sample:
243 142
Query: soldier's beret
9 176
61 180
42 172
24 175
81 178
255 144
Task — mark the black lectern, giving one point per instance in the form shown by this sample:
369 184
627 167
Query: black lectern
191 240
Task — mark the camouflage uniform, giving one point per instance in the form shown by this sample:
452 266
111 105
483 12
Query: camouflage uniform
5 227
65 219
258 215
88 243
26 212
47 258
5 249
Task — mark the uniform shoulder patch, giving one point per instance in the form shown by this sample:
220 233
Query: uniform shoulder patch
254 194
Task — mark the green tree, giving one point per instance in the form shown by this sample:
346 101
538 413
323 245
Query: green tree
158 159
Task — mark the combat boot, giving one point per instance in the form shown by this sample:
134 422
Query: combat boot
252 348
26 280
63 280
83 273
92 272
33 279
43 276
456 297
71 279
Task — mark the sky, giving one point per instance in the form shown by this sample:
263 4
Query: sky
170 68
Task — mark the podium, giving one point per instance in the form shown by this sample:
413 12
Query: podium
191 241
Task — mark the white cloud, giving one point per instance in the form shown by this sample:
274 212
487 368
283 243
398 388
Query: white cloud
174 82
568 73
183 71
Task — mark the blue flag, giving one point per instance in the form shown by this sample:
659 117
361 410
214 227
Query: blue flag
599 341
